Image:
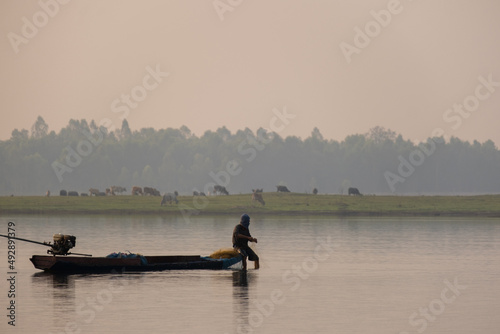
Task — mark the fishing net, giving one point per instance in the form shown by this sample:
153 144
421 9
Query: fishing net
224 253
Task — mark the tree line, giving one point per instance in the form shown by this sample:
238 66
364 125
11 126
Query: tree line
83 155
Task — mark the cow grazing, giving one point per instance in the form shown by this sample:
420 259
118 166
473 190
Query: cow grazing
151 191
110 192
63 193
353 191
137 191
72 193
282 189
118 189
93 191
220 190
257 196
168 198
84 194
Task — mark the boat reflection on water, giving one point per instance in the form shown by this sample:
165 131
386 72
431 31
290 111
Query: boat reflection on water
73 301
59 294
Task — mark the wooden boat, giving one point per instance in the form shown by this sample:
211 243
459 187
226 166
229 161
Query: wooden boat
63 261
79 264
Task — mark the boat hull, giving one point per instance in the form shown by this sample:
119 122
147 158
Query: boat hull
78 264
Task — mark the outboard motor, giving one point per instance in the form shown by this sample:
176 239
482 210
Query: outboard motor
62 244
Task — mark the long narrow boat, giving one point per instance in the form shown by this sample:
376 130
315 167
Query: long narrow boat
63 261
78 264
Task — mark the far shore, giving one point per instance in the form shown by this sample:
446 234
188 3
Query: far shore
275 204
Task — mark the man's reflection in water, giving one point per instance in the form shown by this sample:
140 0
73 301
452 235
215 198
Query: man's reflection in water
240 278
242 285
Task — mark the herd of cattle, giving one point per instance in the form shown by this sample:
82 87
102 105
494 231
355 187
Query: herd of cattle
257 193
114 190
172 197
93 192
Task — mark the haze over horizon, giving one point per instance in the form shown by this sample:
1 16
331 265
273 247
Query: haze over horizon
409 66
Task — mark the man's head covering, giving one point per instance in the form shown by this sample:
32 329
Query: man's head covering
245 220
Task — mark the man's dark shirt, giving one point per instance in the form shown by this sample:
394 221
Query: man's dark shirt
240 242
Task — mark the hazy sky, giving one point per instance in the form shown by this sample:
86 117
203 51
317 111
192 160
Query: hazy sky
341 66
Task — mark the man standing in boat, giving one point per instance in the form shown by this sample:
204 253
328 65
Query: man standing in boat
241 237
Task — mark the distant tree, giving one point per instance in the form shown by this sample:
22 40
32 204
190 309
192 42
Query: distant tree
74 124
39 129
265 136
92 125
489 146
19 135
380 134
185 131
224 133
316 134
175 159
125 130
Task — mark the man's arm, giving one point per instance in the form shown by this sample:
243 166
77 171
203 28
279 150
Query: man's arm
246 237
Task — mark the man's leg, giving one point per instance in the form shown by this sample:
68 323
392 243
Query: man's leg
253 257
244 262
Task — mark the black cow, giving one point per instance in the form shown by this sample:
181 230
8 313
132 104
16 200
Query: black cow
63 193
282 189
220 190
72 193
151 191
168 198
354 191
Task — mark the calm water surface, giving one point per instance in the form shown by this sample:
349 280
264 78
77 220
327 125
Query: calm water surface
318 275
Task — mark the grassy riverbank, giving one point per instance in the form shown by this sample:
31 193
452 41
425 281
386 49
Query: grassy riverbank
276 203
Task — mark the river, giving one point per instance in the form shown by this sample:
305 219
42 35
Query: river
317 275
